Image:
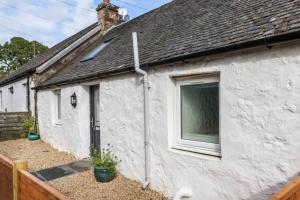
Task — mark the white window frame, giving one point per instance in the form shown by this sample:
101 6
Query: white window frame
1 100
57 120
188 145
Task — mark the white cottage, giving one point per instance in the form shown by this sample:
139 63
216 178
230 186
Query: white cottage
16 93
16 96
207 106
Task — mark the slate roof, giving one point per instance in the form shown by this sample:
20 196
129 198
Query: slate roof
185 28
41 58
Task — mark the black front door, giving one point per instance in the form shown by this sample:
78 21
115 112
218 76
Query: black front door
95 117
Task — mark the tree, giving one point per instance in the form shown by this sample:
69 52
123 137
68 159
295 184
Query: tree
17 52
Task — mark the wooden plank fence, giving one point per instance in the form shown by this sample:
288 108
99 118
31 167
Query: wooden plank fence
6 178
289 192
16 183
11 125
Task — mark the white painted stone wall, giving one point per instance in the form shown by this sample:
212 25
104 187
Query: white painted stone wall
16 102
260 121
72 134
259 116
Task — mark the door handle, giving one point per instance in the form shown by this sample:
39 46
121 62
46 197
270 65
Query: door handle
92 122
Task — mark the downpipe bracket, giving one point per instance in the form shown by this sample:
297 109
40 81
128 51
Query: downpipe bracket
145 185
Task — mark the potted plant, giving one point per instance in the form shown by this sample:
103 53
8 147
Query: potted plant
104 162
29 127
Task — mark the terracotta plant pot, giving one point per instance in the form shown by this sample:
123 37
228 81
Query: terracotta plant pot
33 136
103 175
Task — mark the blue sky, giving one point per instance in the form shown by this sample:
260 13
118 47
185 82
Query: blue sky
50 21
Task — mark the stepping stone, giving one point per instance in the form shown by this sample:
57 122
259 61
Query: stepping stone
63 170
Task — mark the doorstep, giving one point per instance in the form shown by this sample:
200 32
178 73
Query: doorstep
63 170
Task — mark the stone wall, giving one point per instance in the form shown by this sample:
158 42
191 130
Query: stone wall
71 134
259 125
59 65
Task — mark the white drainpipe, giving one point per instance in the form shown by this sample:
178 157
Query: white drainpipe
146 109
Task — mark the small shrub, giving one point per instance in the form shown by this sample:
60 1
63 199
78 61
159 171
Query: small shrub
105 158
29 125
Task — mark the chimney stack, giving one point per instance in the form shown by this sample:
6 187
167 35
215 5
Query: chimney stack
108 15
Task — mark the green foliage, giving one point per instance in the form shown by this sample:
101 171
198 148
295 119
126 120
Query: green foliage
105 158
29 124
17 52
2 73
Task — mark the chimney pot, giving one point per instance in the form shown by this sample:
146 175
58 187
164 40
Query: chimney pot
108 15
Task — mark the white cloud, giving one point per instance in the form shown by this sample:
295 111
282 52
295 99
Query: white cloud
51 21
82 16
47 21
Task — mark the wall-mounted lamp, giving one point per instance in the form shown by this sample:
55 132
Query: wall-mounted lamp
11 89
74 100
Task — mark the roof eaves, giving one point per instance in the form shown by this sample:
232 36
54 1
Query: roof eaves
67 50
267 41
6 81
17 77
86 78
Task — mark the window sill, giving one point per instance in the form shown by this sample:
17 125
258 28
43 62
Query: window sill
58 123
198 150
195 155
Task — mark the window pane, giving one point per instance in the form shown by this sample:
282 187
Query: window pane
200 112
58 106
91 55
1 100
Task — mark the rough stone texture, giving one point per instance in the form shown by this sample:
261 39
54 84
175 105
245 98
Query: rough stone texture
108 15
260 121
53 69
16 102
72 135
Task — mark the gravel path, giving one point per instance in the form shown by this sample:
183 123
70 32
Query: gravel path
82 186
38 154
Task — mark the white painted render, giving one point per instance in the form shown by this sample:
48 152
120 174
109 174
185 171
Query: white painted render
259 116
16 102
71 134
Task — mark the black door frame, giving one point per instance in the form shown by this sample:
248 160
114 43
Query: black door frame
93 142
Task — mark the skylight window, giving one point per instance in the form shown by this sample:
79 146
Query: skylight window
92 54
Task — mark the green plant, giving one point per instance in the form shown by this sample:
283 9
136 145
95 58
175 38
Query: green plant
105 158
29 125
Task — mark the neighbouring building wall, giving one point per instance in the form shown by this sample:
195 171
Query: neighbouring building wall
259 125
16 101
72 132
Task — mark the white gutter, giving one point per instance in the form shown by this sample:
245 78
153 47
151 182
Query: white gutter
146 109
67 50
